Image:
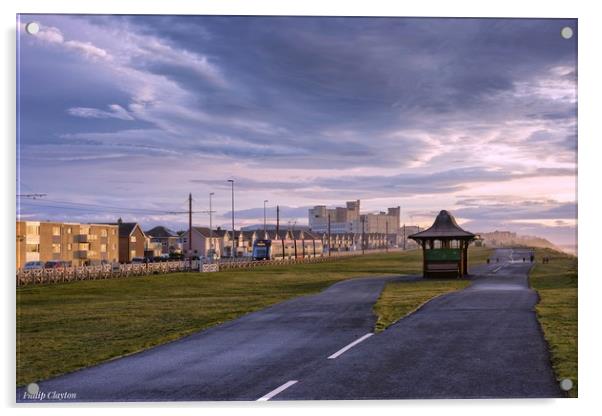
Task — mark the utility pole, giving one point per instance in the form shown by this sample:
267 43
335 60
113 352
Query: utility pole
190 229
404 237
264 218
329 234
387 236
211 227
363 235
233 247
277 220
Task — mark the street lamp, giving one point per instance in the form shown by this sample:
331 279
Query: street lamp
211 226
264 218
233 247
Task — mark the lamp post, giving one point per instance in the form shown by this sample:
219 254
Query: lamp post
211 226
329 234
264 218
233 254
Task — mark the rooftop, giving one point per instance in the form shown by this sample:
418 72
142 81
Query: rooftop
445 226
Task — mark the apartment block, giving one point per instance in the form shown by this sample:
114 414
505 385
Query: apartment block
382 222
79 244
349 220
342 219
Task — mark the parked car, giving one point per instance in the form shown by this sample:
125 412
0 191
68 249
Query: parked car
33 265
176 256
56 264
139 260
161 258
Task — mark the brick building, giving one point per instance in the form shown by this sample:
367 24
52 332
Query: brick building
78 244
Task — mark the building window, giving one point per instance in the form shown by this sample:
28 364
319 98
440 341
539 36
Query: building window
133 239
69 246
33 229
103 248
56 248
114 246
103 232
113 231
132 254
32 248
56 230
69 230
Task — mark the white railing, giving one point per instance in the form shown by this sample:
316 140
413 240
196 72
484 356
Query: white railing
112 271
105 271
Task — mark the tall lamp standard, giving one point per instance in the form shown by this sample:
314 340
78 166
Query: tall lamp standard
264 218
211 226
233 247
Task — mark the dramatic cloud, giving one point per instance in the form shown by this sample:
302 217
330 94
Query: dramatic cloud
115 111
473 115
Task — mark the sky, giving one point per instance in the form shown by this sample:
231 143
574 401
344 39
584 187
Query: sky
124 116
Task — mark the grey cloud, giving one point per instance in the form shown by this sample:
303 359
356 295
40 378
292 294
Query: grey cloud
428 183
523 210
257 213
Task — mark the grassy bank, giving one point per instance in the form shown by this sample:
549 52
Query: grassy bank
67 326
556 283
400 298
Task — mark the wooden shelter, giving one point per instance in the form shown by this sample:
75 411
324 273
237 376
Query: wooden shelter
444 247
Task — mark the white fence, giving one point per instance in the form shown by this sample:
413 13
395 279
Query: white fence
210 267
105 271
109 271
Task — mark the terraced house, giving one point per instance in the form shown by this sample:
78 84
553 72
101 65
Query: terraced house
169 240
132 240
75 243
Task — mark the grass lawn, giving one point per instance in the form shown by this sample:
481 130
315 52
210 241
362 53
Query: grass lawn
400 298
63 327
67 326
556 283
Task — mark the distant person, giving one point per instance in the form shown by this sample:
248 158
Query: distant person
523 259
532 258
488 260
497 259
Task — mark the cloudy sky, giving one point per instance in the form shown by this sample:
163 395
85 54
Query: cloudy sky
125 115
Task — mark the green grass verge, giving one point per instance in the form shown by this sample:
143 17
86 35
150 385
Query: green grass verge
556 283
401 298
64 327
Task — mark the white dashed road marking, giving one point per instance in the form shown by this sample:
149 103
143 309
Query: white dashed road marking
277 391
353 344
